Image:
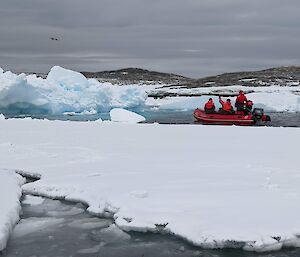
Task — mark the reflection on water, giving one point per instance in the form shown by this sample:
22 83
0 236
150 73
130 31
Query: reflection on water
51 228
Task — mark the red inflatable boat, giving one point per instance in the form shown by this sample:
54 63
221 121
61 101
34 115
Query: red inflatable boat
231 119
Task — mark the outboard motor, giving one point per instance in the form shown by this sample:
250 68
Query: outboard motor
258 113
266 118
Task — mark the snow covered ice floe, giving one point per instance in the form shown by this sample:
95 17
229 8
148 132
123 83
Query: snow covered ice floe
125 116
273 98
10 193
168 179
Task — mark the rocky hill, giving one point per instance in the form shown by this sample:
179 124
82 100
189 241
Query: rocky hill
282 76
137 76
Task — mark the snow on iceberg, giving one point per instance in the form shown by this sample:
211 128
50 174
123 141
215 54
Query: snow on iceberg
68 79
16 93
63 91
122 115
10 193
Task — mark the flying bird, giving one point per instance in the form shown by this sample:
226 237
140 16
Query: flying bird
54 38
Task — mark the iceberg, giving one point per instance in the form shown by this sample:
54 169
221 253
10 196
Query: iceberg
63 91
122 115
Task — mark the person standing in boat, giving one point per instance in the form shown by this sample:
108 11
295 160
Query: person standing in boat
241 101
226 106
209 107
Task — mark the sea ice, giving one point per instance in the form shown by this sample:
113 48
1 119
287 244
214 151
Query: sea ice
10 193
215 186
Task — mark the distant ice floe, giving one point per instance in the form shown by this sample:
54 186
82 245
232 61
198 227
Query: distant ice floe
273 99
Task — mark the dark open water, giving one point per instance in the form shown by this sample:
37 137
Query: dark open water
279 119
53 228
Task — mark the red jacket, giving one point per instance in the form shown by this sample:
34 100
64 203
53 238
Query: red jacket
209 105
241 98
226 106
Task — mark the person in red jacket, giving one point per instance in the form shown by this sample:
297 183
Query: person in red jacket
226 106
209 107
241 101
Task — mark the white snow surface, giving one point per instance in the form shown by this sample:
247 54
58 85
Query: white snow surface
122 115
10 193
212 185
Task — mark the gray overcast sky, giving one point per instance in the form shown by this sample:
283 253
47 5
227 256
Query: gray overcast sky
189 37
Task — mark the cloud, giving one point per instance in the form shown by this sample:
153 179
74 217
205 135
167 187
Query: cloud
191 37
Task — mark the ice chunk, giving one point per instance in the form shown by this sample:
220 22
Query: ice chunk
111 235
31 225
99 120
90 223
94 249
33 200
68 212
266 244
122 115
2 117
